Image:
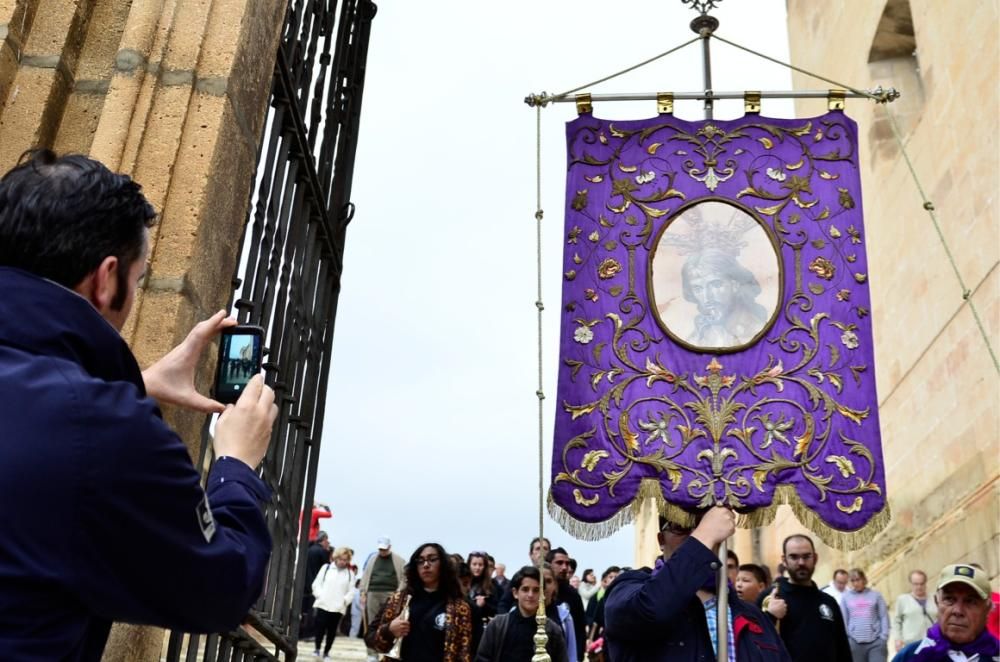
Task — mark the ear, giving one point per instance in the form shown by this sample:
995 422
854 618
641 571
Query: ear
659 540
100 285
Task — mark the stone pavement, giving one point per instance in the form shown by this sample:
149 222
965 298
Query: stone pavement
345 649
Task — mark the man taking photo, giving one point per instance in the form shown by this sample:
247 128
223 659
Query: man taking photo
86 460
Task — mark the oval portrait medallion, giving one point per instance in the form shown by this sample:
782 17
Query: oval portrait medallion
715 277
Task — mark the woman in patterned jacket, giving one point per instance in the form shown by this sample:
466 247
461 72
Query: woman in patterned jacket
439 624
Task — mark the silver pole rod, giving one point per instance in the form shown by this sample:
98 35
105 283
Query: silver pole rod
696 96
722 595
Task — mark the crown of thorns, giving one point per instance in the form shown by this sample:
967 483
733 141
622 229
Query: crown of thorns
720 236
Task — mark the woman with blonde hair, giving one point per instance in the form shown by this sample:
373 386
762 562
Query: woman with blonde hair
334 590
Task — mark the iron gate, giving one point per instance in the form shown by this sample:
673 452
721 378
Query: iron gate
288 282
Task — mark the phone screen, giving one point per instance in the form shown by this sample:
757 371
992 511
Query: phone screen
239 360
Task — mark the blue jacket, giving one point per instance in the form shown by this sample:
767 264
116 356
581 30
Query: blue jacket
102 515
659 618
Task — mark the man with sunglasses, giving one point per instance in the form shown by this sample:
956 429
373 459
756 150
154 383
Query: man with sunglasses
668 613
811 623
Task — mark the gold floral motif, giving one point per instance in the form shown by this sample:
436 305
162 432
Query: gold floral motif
590 294
853 508
570 275
594 236
834 232
615 290
579 200
574 235
823 268
591 459
581 500
609 268
844 465
860 277
845 199
843 295
854 234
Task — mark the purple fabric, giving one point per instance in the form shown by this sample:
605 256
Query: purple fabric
985 646
708 369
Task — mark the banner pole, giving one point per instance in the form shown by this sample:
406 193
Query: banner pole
722 596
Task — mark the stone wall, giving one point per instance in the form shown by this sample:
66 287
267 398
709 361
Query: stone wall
174 93
938 387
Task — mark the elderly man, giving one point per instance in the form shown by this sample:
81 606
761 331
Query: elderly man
383 574
960 635
670 613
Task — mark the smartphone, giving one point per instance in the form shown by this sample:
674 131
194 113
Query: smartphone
240 355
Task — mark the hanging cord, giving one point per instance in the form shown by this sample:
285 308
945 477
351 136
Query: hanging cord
541 638
865 93
928 205
544 98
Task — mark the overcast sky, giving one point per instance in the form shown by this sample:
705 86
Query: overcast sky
431 423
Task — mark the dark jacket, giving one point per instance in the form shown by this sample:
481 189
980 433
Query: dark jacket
491 648
316 557
102 514
813 629
651 618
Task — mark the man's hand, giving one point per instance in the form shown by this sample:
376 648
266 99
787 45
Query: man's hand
718 524
777 607
171 379
244 430
399 627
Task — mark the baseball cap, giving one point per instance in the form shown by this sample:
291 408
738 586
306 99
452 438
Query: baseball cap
384 543
959 573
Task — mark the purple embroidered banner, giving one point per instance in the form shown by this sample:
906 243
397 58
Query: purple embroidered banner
716 343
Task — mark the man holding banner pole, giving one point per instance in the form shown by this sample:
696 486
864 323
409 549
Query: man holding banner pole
670 612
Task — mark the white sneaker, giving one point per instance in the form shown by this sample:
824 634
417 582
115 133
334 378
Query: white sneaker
316 653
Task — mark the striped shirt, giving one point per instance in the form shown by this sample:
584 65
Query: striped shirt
865 615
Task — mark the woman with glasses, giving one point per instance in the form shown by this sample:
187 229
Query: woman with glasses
438 625
482 596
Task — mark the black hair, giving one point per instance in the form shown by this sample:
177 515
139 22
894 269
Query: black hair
61 216
784 543
730 554
607 572
572 565
538 539
587 572
757 572
859 573
447 575
841 571
526 572
464 571
552 554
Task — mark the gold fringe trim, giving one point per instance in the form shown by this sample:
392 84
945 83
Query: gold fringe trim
650 488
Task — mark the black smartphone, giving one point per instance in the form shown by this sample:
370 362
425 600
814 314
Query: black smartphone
240 355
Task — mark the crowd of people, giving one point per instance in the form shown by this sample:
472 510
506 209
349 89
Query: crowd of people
453 608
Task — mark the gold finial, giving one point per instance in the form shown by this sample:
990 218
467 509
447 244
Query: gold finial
541 638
